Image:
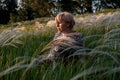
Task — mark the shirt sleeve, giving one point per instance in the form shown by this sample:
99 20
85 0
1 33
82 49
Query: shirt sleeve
77 37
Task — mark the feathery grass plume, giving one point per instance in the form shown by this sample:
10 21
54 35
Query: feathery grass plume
91 19
22 63
14 68
110 71
51 23
109 54
81 51
82 54
92 36
34 62
21 59
47 47
113 33
95 52
111 38
78 21
101 39
115 18
89 39
108 19
112 41
104 46
104 20
89 71
9 37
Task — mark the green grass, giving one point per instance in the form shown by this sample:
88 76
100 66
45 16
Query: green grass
108 10
19 60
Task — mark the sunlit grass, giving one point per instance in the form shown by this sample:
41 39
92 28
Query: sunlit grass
20 52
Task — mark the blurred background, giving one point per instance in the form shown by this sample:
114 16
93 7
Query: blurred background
12 11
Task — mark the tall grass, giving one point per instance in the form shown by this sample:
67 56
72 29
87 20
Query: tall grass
99 59
16 56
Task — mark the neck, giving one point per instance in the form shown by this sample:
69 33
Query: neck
69 31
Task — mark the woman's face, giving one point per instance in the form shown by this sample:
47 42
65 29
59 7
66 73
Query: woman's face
62 26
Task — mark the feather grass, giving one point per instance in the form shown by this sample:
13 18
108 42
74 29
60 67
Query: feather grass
89 71
10 38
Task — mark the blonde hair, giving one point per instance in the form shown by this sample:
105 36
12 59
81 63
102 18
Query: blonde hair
66 17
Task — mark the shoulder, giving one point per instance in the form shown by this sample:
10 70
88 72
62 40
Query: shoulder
74 35
57 35
77 36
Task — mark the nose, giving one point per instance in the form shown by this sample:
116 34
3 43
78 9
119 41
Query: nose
60 24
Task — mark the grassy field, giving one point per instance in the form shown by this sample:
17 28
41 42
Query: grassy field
20 49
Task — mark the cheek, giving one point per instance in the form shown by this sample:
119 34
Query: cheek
58 28
57 25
